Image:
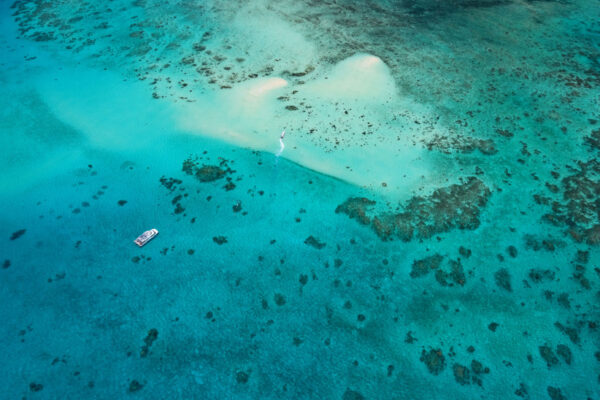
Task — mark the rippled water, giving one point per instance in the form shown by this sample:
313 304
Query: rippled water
431 229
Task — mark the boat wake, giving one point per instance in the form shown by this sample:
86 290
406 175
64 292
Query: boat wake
282 146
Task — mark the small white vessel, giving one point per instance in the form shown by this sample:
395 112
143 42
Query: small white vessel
145 237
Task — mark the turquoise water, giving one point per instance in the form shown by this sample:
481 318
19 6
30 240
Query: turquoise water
431 229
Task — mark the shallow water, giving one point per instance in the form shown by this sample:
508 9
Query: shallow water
430 231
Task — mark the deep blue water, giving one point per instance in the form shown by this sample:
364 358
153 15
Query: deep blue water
430 231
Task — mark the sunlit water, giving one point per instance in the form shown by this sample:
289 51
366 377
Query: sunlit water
429 231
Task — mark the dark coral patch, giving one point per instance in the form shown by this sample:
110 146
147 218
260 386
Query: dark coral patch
578 213
434 360
205 173
170 183
502 278
242 377
539 275
135 386
455 276
454 206
220 240
424 266
548 355
279 299
352 395
555 393
593 140
462 374
463 144
569 331
314 242
209 173
35 387
17 234
565 353
356 208
148 340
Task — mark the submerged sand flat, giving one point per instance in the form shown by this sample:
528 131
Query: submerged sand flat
431 229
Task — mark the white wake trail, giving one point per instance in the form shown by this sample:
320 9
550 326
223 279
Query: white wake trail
282 146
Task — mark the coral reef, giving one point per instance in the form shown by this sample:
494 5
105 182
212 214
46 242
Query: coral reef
220 240
461 374
502 278
434 360
578 213
17 234
314 242
356 208
352 395
463 144
148 340
454 206
424 266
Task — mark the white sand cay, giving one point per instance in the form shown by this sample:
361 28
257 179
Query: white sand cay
250 115
264 86
242 115
362 76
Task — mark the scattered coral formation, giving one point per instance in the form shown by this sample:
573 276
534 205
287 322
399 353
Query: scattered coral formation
148 340
463 144
578 213
17 234
424 266
314 242
434 360
220 240
356 208
454 206
205 173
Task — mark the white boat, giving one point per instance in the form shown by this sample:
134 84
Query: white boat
145 237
